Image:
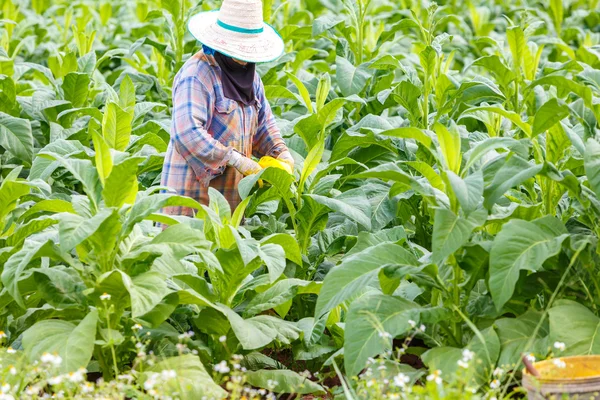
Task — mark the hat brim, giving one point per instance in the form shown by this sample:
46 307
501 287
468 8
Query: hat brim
257 47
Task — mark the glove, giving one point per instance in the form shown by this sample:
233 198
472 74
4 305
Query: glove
287 158
243 164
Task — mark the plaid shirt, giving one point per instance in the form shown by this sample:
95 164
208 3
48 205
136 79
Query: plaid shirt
207 127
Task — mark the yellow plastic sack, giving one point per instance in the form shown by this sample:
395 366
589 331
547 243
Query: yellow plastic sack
268 161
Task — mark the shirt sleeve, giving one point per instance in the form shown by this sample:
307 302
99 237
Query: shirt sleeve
192 113
267 139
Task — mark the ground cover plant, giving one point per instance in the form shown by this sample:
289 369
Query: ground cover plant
442 218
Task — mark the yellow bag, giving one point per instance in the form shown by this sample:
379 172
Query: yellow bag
268 161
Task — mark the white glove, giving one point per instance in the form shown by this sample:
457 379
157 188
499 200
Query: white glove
243 164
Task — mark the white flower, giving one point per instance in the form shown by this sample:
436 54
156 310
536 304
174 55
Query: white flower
150 382
5 388
385 335
472 390
467 355
560 346
180 347
53 359
306 373
559 363
186 335
222 339
271 384
422 328
530 357
195 352
370 361
137 327
55 380
222 367
167 374
498 372
86 387
3 335
435 376
10 350
12 370
262 392
381 368
77 376
236 366
401 380
371 382
463 364
31 390
495 384
105 297
125 377
412 323
6 396
493 398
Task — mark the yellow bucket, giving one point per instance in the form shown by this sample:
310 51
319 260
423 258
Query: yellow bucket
579 379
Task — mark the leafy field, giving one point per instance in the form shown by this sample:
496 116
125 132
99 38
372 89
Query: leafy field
443 217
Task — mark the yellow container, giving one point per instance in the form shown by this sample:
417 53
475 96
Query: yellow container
579 379
268 161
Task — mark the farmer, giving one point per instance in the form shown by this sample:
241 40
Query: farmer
221 117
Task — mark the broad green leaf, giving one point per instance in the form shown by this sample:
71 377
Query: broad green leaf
60 286
279 293
103 158
514 172
24 231
451 232
350 79
515 334
286 381
592 165
122 184
310 162
487 145
369 319
75 88
409 133
144 291
256 332
468 192
548 115
486 354
219 204
564 86
127 94
517 42
10 193
358 271
356 208
191 380
429 173
73 343
511 115
83 171
521 245
351 140
494 64
289 245
16 137
303 92
15 267
450 145
74 229
116 126
576 326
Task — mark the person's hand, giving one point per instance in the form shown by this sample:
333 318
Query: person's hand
287 158
243 164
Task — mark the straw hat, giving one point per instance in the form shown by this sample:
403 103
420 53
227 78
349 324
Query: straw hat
238 30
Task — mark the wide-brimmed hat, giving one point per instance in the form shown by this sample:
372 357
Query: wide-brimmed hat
238 30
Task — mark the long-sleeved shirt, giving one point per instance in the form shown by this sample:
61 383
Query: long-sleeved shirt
207 127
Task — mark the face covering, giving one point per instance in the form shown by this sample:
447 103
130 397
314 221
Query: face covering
237 79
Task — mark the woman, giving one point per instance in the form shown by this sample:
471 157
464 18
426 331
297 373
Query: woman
221 117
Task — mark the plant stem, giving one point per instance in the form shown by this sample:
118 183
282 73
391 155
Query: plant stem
112 346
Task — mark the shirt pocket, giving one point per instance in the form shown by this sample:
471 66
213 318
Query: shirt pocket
226 123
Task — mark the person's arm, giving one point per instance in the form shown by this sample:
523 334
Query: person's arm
192 113
267 139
